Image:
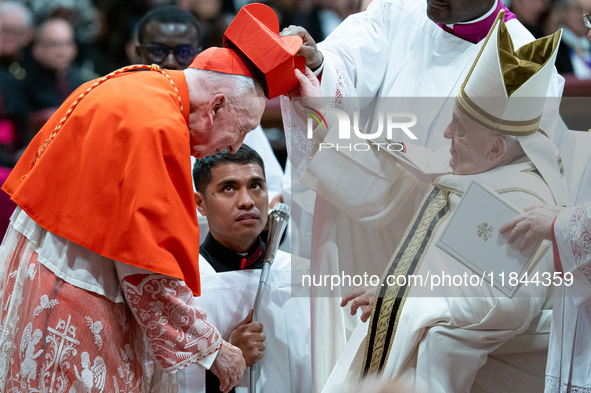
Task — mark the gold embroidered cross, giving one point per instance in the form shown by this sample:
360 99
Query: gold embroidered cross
484 231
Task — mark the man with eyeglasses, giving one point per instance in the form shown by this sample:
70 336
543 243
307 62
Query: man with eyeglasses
168 36
575 49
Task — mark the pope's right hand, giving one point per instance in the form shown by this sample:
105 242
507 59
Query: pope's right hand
360 297
309 50
228 366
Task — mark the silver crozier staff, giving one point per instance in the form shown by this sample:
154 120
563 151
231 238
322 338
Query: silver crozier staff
277 222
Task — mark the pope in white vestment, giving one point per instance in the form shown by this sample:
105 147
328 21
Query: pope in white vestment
439 339
392 50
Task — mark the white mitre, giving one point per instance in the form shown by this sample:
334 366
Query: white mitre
505 92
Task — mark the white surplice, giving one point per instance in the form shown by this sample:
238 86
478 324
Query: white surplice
285 315
569 361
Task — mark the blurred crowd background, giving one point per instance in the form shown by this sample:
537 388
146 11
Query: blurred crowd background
49 47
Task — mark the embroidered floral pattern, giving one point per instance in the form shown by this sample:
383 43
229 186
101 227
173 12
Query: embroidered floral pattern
580 240
54 347
174 325
95 328
56 337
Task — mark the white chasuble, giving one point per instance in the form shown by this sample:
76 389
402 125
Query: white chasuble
437 338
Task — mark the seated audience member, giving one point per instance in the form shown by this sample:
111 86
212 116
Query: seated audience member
438 338
83 14
16 32
574 54
51 75
532 14
214 16
13 118
232 195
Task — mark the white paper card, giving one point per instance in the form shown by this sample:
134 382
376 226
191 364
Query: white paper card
472 237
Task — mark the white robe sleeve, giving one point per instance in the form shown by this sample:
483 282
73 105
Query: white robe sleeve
552 123
359 44
369 186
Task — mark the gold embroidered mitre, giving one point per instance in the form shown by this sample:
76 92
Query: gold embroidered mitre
506 88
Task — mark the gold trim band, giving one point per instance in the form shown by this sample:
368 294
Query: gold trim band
508 127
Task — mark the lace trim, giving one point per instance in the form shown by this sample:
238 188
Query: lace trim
553 385
299 147
173 324
580 240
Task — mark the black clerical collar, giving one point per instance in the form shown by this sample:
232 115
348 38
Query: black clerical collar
222 259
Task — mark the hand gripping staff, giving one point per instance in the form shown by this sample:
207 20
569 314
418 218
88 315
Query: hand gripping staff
277 222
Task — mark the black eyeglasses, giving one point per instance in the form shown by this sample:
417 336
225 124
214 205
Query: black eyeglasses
587 20
184 54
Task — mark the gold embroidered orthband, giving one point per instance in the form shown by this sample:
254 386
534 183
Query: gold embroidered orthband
524 190
153 67
406 261
508 127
